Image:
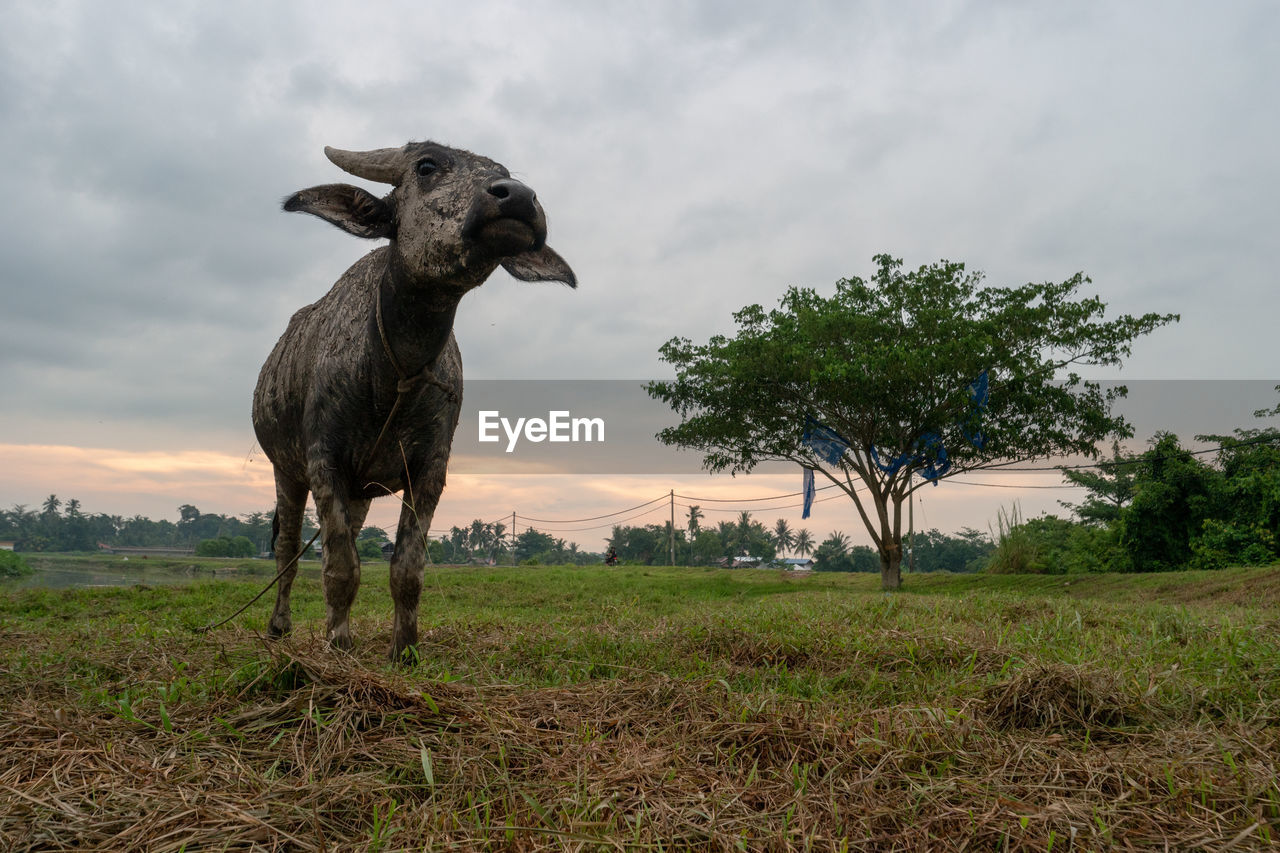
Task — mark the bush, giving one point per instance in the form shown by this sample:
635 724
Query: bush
1049 545
1016 552
12 565
1175 493
936 551
1223 543
859 558
225 546
1064 546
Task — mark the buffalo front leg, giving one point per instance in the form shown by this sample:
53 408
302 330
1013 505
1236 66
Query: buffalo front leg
339 514
409 557
291 500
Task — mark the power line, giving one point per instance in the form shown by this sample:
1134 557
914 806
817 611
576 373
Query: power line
595 517
1017 486
764 508
1138 460
546 529
738 502
1002 466
755 500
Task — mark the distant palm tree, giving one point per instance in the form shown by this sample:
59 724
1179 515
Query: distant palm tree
478 537
782 535
495 541
803 543
728 537
695 516
837 542
458 544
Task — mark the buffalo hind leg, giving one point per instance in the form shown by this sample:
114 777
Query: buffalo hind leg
339 514
410 554
291 500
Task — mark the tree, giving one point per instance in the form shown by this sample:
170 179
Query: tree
1110 486
940 552
225 546
837 542
695 517
1174 495
373 534
50 529
1250 465
707 547
835 554
891 373
536 545
459 551
639 544
782 535
478 537
497 543
803 544
76 533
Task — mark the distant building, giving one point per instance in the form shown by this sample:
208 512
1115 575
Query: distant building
388 548
797 564
743 562
7 544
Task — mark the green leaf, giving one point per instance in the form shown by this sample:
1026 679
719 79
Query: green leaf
427 772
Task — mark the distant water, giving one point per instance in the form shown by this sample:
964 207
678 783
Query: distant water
130 573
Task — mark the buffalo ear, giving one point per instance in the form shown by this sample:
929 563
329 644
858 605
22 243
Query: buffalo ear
540 265
352 209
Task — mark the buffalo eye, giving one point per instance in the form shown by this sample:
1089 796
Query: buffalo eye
425 167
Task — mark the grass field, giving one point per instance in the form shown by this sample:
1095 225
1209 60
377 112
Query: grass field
651 709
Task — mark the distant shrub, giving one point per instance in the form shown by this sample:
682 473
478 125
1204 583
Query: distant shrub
1017 551
12 565
224 546
1222 543
1049 545
859 558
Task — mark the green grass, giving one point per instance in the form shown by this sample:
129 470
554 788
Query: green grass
656 707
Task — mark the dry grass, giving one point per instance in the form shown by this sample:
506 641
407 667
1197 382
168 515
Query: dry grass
172 743
324 752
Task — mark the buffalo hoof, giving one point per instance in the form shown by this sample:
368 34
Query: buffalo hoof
340 640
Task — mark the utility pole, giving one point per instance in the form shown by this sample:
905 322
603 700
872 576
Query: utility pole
513 537
673 527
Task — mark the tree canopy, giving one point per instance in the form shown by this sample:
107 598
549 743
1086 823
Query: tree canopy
888 369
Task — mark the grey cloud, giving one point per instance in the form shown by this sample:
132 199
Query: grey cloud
693 158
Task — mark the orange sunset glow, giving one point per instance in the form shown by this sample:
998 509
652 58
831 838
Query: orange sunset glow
155 483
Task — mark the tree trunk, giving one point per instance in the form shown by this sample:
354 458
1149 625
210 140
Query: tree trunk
891 566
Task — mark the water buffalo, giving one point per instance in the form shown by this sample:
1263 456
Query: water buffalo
361 395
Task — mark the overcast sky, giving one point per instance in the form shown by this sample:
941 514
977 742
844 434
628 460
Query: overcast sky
692 158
